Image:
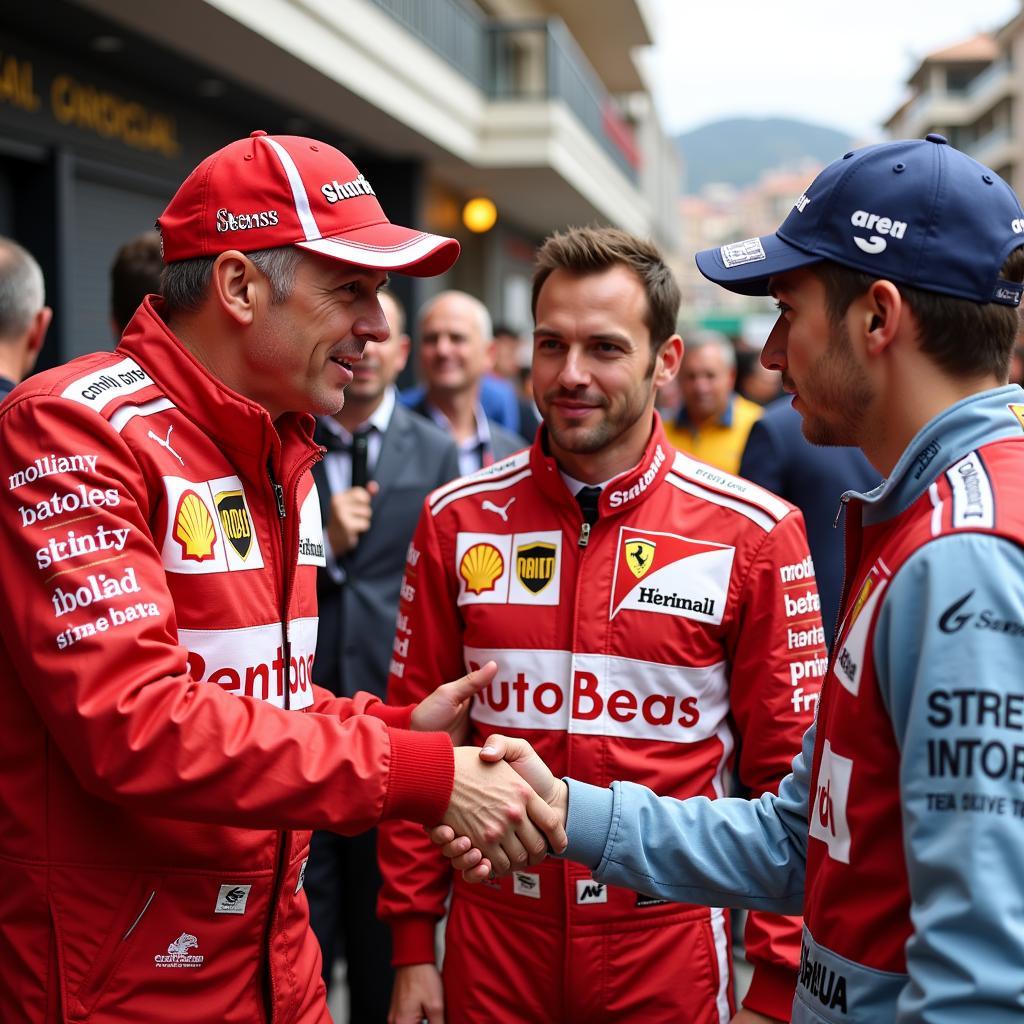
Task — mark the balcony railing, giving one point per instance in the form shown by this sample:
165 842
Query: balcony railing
541 60
453 30
536 59
996 73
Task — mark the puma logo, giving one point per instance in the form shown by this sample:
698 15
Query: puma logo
488 506
166 443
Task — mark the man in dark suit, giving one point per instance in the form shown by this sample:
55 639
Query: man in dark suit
781 459
456 351
382 461
24 316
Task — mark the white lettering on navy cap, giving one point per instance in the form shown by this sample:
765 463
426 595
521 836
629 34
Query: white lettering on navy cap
873 222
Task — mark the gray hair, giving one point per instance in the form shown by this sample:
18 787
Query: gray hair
483 317
700 338
22 292
184 283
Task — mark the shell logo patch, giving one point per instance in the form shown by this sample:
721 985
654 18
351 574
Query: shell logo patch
640 555
509 568
208 527
1017 409
481 565
194 529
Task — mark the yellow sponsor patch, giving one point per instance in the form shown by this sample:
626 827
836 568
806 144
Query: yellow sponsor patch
1017 408
481 565
194 529
535 565
639 555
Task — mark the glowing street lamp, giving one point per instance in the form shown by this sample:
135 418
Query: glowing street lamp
479 215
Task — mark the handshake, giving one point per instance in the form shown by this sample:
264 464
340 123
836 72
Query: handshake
507 810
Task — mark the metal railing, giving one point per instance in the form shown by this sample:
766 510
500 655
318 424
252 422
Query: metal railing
541 60
535 59
452 29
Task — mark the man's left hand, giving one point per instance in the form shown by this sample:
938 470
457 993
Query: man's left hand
447 708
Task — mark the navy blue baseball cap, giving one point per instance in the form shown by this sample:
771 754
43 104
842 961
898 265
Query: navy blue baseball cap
917 212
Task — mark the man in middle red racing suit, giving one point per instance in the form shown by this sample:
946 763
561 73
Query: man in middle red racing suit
678 632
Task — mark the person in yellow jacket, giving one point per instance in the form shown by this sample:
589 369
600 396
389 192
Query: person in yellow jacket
714 421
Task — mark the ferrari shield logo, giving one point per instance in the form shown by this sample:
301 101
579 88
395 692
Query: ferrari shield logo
639 556
234 518
535 565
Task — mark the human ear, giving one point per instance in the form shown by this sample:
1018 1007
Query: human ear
235 284
668 361
878 313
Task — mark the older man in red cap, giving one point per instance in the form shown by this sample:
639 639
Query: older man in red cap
161 735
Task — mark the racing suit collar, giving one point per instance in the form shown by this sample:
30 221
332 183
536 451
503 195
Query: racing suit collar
622 492
966 425
231 420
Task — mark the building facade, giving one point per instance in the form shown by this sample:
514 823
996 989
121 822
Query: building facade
105 105
972 93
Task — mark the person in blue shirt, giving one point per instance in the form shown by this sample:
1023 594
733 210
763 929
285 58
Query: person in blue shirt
779 458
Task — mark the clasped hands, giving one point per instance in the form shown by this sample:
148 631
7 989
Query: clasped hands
506 810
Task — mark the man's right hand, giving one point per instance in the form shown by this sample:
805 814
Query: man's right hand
495 807
350 517
417 995
464 849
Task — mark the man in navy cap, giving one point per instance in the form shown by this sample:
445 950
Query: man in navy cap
900 831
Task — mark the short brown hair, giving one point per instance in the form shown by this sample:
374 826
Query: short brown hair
963 338
592 250
134 273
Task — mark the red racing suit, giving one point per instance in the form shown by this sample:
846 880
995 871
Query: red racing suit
160 734
683 626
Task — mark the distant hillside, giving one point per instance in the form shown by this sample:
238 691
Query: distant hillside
739 149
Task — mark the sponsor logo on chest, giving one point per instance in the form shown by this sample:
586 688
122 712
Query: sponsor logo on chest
598 695
516 569
311 531
853 646
828 804
251 661
526 883
209 527
667 574
821 981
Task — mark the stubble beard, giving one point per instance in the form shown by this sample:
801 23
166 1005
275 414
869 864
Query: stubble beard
589 440
838 384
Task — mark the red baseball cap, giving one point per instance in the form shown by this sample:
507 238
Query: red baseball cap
274 190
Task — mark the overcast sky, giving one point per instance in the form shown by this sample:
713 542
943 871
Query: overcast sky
842 64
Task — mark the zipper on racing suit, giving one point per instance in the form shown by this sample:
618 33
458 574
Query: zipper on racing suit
288 566
582 541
